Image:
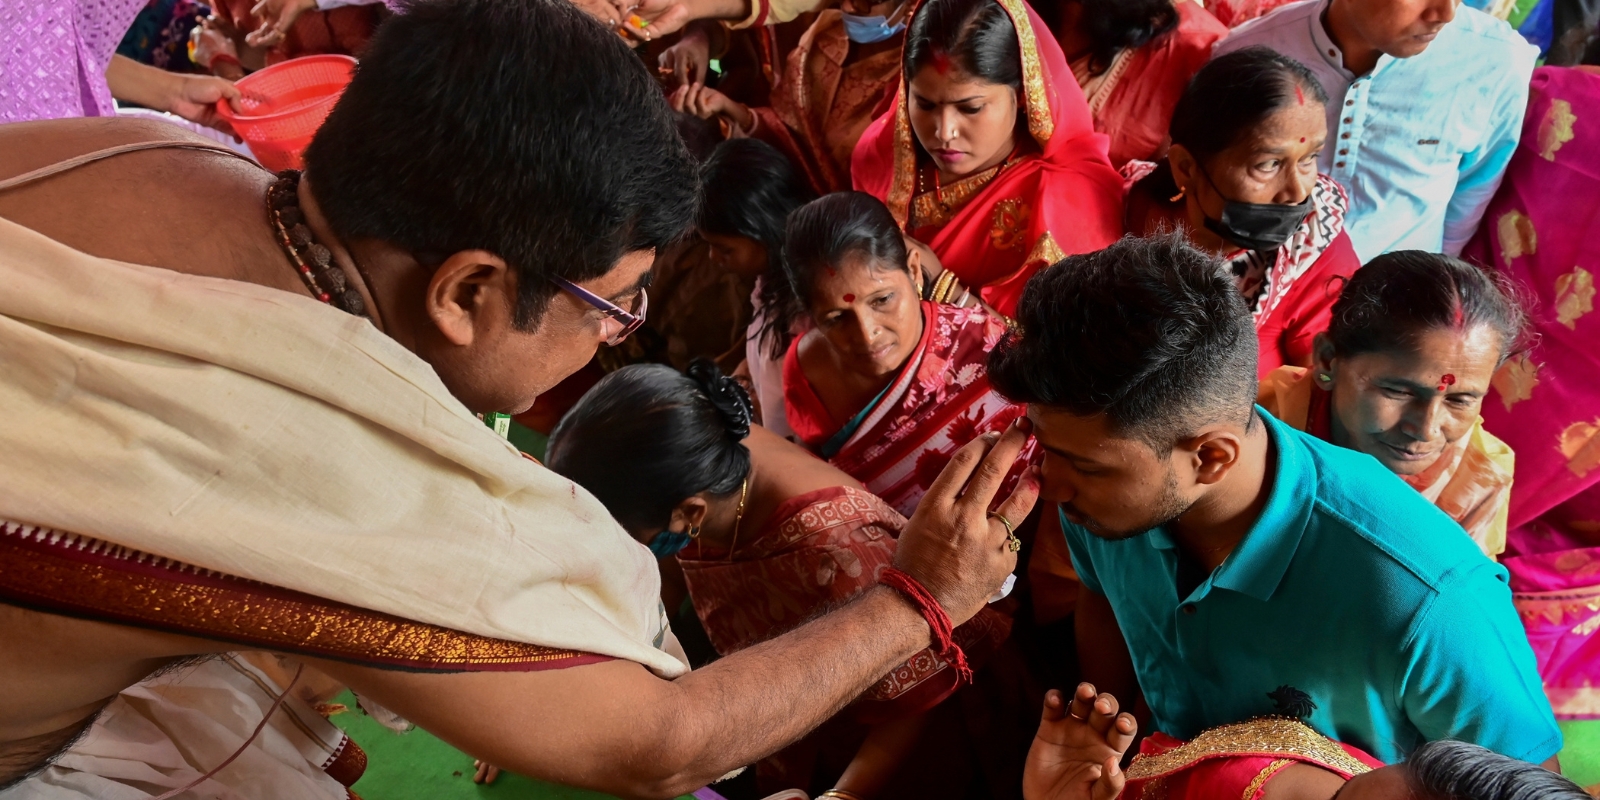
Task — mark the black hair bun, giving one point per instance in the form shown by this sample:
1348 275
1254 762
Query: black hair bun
725 393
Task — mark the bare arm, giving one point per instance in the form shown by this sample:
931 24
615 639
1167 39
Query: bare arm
617 728
1102 652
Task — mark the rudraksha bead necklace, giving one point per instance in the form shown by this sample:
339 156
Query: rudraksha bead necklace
311 259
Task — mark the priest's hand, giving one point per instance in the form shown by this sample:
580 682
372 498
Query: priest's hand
276 17
688 60
1078 749
953 544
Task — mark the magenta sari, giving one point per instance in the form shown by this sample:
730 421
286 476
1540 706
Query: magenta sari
1539 233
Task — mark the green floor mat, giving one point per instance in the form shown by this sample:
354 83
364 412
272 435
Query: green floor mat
1580 757
417 766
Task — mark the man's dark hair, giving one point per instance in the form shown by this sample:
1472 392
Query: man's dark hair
520 127
1450 770
1150 332
977 35
750 190
825 231
647 437
1390 303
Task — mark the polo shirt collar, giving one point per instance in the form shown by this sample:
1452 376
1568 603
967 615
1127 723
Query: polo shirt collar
1331 52
1257 565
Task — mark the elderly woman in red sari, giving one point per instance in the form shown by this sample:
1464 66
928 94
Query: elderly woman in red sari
1401 374
989 154
1080 742
1241 182
766 536
1539 233
1133 59
885 385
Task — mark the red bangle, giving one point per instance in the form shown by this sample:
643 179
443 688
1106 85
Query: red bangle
943 632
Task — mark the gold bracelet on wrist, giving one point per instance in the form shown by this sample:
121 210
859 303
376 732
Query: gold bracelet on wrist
943 287
840 794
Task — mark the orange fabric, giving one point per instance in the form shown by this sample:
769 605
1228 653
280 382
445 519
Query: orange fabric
1059 196
1134 107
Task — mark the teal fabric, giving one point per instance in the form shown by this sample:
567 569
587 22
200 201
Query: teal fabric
837 441
1351 588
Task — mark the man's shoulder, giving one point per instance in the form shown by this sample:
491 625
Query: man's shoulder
1358 500
1283 27
1486 41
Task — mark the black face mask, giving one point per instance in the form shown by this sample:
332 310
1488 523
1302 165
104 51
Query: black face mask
1256 226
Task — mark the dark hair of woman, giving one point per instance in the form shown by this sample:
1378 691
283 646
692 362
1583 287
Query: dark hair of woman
648 437
1228 98
825 231
1397 297
750 189
1114 25
976 35
1450 770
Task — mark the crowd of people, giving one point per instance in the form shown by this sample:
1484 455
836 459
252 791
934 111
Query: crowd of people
796 397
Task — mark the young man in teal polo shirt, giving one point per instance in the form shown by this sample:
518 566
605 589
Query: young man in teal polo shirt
1233 567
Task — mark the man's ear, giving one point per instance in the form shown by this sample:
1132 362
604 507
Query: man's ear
1214 451
462 290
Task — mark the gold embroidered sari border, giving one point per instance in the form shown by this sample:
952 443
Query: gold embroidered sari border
81 576
1267 736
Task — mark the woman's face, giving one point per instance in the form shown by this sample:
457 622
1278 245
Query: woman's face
1276 162
737 254
1405 408
965 124
869 313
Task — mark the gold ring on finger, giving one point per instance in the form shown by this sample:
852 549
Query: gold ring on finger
1012 542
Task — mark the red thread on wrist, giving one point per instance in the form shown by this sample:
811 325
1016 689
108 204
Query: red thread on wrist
943 632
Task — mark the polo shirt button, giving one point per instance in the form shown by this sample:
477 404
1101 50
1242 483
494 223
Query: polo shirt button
1188 608
1349 102
1344 152
1340 164
1348 120
1333 53
1345 135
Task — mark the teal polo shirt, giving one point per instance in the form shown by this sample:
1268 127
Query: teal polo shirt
1350 588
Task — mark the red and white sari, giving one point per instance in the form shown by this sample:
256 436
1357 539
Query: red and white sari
940 401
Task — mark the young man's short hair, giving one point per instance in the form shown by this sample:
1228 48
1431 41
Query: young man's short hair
1150 332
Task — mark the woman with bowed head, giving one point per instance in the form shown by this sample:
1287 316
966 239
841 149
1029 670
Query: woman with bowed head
1401 374
885 385
767 536
989 154
1241 182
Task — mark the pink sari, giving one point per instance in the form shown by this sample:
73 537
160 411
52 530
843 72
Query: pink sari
940 401
1539 233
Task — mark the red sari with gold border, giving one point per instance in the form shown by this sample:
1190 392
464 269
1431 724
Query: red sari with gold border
1235 762
1058 194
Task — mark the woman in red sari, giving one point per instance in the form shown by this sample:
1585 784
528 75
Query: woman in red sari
885 385
766 536
1539 232
1241 182
989 154
1076 751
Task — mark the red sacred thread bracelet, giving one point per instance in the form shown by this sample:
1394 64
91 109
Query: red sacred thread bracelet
943 632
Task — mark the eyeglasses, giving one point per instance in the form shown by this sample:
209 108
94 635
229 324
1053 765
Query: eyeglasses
630 319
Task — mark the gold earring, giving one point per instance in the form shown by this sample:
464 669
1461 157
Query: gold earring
1179 196
694 532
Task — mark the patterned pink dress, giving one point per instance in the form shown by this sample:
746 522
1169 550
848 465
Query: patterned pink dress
54 55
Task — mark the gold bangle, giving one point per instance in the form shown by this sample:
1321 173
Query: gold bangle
941 285
840 794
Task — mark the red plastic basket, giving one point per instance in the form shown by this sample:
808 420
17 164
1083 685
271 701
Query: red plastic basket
284 105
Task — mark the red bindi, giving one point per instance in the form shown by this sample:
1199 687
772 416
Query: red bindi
1302 140
1446 380
849 298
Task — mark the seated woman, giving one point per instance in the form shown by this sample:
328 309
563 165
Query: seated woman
838 79
885 386
766 535
1401 375
1075 756
1133 59
1241 182
1545 404
989 154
